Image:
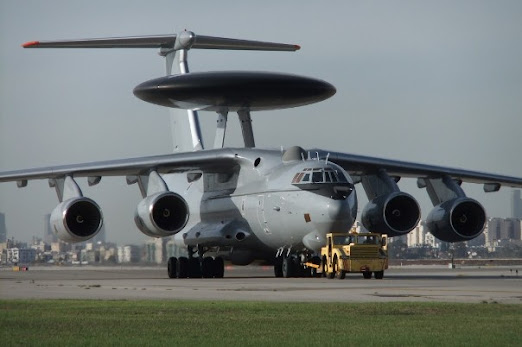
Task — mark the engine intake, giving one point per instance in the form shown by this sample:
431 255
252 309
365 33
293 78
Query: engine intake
76 220
394 214
460 219
162 214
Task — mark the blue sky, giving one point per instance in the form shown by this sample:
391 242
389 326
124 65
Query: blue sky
433 82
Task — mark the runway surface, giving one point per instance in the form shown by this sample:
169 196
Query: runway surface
256 283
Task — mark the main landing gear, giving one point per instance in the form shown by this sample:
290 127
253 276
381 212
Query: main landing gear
196 267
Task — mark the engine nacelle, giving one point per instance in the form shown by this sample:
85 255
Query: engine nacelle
460 219
162 214
394 214
76 220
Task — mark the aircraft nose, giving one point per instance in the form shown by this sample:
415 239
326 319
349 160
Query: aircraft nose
339 210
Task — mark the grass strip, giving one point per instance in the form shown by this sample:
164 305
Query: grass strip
225 323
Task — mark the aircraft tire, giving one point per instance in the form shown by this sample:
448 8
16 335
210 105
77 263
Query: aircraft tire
288 267
172 267
379 275
182 268
219 267
207 267
278 269
194 266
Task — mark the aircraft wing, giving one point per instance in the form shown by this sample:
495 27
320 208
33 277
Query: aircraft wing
359 165
210 160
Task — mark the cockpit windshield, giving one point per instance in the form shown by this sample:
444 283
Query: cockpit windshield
319 175
325 181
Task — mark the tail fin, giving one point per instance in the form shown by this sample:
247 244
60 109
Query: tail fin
185 127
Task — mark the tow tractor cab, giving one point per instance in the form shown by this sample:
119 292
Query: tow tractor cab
354 252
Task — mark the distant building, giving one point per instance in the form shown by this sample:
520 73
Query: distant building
174 250
129 254
3 229
506 229
59 247
21 255
155 250
399 239
100 237
90 256
479 241
358 228
516 205
420 237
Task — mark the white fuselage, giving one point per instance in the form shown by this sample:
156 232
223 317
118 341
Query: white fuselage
263 201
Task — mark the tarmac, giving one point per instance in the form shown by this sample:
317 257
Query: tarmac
257 283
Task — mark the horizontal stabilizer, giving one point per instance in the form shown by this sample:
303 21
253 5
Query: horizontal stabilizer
186 40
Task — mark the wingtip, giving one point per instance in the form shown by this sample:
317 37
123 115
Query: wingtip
297 47
30 44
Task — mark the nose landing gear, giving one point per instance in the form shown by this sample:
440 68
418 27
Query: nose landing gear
295 265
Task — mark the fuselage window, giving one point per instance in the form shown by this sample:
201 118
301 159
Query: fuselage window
306 178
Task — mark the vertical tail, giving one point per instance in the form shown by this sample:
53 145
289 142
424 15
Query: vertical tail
184 125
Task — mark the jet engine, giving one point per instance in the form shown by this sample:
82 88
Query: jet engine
460 219
394 214
162 214
76 220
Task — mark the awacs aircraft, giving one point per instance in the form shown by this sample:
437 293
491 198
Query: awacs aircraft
243 204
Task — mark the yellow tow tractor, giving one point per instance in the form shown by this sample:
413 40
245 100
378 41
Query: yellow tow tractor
354 252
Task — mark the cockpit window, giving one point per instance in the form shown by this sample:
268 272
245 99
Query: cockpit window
325 180
321 175
317 177
341 177
327 177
